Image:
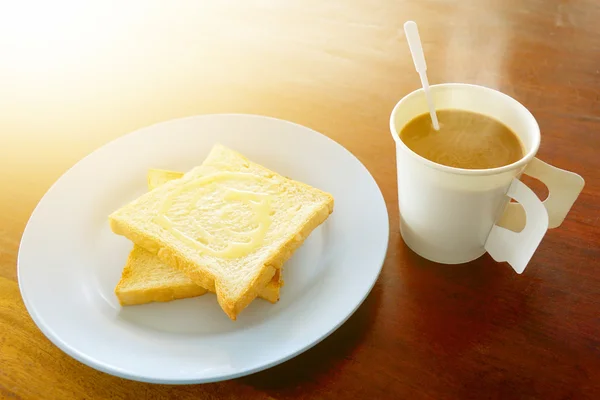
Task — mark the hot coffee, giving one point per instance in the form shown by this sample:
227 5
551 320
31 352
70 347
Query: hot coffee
465 140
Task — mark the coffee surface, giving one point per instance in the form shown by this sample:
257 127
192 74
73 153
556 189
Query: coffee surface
465 140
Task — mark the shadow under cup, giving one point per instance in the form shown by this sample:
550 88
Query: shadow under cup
447 213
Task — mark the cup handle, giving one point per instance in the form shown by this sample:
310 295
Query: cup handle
531 215
517 248
563 187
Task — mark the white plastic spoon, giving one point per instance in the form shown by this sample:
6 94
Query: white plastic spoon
416 50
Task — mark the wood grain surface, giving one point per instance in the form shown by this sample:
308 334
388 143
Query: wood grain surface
75 75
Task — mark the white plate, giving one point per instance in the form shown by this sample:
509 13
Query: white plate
70 261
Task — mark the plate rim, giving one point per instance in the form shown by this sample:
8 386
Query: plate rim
92 362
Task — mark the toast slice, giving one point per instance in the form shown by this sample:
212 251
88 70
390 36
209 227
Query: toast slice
146 278
228 225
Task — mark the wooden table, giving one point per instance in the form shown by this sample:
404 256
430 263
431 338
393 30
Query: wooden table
74 76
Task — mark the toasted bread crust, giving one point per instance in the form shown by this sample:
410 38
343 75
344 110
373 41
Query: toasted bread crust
134 297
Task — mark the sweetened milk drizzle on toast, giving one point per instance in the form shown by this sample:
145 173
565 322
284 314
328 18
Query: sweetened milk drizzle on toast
235 246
